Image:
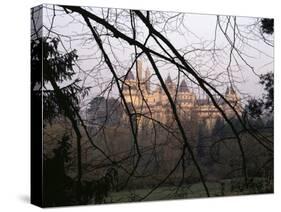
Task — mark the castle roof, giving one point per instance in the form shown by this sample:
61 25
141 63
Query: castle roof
168 80
183 87
230 90
130 76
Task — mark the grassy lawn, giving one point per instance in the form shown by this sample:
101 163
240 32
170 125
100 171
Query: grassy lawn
172 192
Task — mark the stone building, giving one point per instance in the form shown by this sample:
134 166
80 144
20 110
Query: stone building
153 102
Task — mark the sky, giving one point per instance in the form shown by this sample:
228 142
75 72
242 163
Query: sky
194 33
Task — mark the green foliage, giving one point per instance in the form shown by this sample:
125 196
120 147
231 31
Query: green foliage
258 107
57 66
267 80
201 143
61 97
254 108
98 190
57 69
218 128
64 148
267 25
58 187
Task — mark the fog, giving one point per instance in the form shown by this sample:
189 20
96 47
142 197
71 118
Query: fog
209 49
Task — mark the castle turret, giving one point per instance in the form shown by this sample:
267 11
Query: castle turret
129 88
147 80
171 88
168 80
139 70
185 97
183 87
130 76
231 95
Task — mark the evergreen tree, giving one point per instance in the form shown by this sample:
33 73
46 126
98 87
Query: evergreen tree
58 99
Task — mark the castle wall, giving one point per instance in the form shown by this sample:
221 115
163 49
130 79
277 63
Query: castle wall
186 101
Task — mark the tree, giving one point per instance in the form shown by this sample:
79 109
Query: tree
267 25
258 107
59 100
55 180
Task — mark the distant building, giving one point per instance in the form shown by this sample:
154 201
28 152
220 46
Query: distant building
102 111
147 101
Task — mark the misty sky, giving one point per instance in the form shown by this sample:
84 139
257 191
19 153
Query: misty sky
192 33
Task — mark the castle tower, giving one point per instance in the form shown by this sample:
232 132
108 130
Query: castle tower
130 88
130 76
185 97
231 95
183 87
139 70
168 80
170 85
233 98
147 80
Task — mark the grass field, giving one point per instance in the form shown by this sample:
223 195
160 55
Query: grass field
224 188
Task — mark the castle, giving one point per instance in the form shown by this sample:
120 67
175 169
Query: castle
138 93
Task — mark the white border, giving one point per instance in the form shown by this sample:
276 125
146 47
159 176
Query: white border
15 106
